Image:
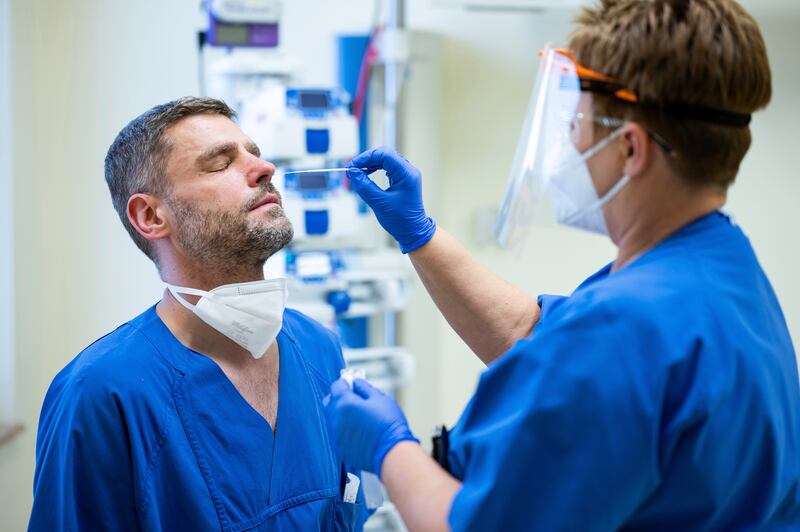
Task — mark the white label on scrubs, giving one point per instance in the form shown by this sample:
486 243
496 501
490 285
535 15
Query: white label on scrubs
351 488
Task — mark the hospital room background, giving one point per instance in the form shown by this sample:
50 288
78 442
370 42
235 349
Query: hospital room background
72 73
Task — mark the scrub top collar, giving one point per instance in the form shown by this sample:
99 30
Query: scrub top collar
176 354
701 225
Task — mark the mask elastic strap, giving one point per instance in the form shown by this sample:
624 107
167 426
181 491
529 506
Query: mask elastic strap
591 152
602 201
176 292
613 192
594 150
619 184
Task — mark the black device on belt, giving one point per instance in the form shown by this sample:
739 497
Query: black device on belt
441 446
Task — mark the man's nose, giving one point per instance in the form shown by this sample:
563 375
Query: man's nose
260 171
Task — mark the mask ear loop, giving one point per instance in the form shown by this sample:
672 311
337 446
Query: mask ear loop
594 150
176 292
600 203
591 152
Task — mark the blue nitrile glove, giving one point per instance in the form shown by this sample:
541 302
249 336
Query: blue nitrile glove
364 424
399 208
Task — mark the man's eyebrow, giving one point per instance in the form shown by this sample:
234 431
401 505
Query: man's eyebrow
253 148
228 148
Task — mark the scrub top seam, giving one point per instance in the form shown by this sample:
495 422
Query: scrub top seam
316 374
222 515
104 337
151 463
286 328
328 493
156 348
284 352
320 416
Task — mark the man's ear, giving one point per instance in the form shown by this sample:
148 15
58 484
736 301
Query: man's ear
146 215
637 146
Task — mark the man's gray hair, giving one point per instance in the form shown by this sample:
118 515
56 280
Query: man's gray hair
136 161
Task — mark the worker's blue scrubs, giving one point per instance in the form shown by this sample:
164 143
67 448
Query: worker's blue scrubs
140 432
663 396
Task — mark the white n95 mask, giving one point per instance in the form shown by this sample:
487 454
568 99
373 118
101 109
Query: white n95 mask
250 314
571 190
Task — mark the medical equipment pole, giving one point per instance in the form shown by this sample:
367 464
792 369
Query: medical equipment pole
392 81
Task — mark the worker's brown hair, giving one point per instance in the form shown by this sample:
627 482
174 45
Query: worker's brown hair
707 53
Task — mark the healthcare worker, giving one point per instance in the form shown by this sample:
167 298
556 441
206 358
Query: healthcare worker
662 394
204 412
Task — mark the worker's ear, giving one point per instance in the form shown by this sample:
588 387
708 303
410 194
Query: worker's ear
146 214
637 149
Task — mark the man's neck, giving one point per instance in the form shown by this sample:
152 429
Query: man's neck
184 324
653 223
210 276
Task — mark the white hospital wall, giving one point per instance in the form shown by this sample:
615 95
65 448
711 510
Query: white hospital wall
488 74
765 198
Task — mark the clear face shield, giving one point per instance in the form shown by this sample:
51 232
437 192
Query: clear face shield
549 175
547 154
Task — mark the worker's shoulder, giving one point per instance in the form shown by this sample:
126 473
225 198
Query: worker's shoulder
681 290
120 362
652 301
648 286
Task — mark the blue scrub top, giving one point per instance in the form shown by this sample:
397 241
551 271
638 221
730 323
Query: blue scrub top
139 432
663 396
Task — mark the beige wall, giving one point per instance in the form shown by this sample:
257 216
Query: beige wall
82 69
76 81
6 224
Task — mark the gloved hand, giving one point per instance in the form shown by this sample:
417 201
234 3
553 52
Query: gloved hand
399 208
364 424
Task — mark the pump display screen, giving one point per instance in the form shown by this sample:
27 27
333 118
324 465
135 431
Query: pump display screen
232 34
314 100
312 181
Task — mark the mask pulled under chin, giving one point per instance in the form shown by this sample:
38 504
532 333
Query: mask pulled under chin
250 314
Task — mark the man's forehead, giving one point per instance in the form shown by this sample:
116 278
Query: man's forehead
198 132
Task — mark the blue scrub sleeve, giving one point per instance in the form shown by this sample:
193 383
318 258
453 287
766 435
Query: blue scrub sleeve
560 432
547 303
83 478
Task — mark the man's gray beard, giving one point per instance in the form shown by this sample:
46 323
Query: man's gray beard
230 240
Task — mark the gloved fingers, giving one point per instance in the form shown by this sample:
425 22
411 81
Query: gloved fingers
364 389
397 168
363 185
368 160
339 388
